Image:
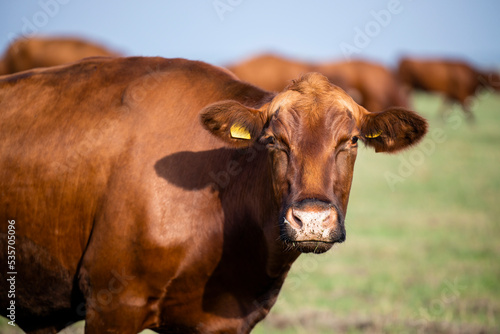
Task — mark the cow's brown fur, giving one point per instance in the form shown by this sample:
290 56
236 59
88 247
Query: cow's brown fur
132 213
458 81
27 53
373 86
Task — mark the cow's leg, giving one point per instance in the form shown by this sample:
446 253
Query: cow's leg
466 107
116 301
54 330
123 320
51 324
445 108
121 294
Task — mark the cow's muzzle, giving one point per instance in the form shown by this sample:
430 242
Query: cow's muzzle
312 226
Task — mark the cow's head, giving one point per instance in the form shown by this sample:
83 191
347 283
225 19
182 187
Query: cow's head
312 131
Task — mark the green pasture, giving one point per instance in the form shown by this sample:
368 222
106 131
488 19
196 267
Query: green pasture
422 254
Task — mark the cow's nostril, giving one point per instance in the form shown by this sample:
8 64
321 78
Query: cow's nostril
297 219
293 219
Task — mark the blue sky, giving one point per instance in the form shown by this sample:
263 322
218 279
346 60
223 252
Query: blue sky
226 31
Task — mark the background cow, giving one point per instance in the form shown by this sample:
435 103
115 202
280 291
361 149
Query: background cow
378 86
26 53
167 194
372 85
457 81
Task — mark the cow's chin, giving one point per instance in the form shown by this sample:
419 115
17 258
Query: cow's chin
316 247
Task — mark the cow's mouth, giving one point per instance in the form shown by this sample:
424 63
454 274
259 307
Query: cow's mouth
310 246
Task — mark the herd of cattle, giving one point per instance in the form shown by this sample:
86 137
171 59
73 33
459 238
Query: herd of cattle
373 85
144 192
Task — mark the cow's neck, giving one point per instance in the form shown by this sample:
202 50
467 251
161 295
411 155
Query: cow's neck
249 201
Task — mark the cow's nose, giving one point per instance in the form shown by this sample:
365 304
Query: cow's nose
321 218
312 220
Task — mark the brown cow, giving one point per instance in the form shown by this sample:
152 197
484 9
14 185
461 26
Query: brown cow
378 87
27 53
458 81
270 72
132 213
375 87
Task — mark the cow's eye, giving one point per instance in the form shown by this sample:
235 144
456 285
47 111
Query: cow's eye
269 141
354 140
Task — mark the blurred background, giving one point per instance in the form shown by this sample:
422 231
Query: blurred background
422 254
226 31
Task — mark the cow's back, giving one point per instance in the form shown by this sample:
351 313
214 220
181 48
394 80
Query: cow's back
455 79
425 75
270 72
376 86
27 53
381 85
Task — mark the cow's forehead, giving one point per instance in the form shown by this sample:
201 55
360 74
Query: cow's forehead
310 108
314 94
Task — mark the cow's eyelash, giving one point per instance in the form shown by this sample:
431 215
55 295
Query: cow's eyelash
349 142
269 141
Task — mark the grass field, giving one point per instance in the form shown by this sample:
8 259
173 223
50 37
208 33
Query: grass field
421 254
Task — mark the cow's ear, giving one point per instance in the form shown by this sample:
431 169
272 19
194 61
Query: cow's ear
392 130
232 122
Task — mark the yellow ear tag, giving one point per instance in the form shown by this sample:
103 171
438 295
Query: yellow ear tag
239 132
375 135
